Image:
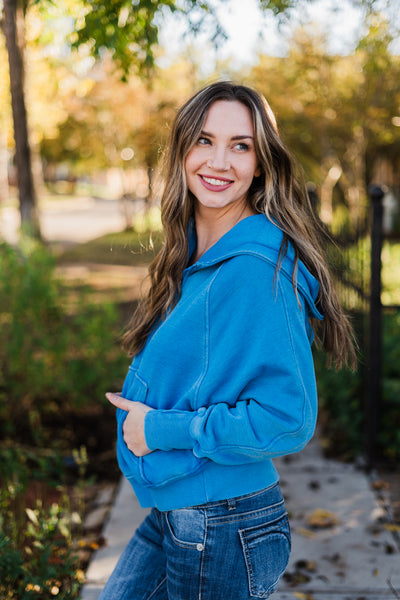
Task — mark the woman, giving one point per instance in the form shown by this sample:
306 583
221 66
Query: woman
222 378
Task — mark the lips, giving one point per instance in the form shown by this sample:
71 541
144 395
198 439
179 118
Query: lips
215 184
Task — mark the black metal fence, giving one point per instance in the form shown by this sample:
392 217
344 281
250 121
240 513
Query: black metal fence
355 259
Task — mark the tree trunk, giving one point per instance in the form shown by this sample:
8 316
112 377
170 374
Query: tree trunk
150 177
327 186
14 18
3 168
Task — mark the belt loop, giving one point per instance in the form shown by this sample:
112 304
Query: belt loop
231 502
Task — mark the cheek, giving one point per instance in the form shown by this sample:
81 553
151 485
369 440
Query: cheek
191 161
247 168
189 168
252 171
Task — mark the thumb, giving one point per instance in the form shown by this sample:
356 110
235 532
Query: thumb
118 401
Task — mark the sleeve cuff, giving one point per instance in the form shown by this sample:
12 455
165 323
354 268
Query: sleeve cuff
168 430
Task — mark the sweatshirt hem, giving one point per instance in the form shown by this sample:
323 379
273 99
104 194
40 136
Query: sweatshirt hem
214 483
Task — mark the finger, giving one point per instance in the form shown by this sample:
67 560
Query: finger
118 401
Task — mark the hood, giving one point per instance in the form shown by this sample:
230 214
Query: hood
258 236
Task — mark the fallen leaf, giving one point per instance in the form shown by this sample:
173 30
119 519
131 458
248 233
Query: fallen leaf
80 575
391 527
380 484
389 549
322 519
314 485
305 532
307 565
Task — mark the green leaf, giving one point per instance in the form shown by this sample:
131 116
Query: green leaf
32 516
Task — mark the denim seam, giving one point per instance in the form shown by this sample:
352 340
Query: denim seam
157 588
249 570
256 514
201 578
278 528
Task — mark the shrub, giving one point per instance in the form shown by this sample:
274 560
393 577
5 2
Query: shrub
55 366
341 412
37 555
342 397
50 360
389 432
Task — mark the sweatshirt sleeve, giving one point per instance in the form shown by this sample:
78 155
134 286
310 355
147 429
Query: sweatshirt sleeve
257 398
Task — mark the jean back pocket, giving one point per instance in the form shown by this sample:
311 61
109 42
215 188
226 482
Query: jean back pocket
266 549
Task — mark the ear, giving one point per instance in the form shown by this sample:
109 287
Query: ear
258 171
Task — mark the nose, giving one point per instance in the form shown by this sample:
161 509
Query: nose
218 161
223 166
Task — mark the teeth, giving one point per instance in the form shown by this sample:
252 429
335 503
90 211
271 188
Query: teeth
212 181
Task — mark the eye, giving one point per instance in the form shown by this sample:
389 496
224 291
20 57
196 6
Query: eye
242 147
203 141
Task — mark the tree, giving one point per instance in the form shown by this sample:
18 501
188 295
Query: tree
5 123
119 125
129 30
13 28
336 112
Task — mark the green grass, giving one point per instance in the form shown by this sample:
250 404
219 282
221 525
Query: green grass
391 273
126 248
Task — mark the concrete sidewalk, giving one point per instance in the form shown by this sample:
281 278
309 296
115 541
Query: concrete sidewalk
343 544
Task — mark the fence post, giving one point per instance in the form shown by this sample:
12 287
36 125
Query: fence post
373 398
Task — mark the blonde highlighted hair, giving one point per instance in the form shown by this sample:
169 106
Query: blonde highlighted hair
278 192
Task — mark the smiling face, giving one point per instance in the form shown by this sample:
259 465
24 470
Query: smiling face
221 165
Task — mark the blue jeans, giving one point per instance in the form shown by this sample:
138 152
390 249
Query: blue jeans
236 549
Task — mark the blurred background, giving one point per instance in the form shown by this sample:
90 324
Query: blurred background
88 90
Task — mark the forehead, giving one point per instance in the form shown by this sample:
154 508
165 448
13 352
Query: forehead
229 117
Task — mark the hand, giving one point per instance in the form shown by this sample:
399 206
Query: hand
133 426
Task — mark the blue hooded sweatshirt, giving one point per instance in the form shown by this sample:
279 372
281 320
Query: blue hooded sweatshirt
229 373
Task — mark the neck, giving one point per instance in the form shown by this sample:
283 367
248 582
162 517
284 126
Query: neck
213 223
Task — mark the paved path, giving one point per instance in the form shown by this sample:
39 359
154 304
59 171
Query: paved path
74 220
342 544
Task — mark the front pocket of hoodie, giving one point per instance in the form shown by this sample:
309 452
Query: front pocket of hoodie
157 468
266 550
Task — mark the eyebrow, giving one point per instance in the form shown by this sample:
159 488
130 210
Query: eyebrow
235 137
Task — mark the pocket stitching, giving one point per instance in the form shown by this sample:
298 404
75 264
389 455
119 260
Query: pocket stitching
181 543
245 542
278 523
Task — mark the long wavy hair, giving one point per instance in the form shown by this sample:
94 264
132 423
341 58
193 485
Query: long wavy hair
279 193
